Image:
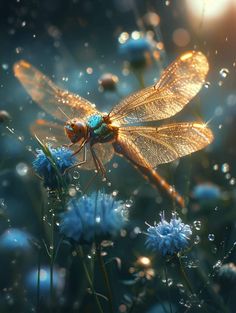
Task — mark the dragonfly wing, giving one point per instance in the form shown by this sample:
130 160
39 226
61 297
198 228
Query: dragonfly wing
178 84
159 145
51 98
49 132
53 134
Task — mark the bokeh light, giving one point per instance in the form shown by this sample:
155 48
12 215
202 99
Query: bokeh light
208 9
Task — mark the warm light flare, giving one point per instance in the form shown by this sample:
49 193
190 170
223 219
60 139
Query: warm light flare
207 9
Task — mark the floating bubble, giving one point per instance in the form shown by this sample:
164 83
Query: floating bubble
22 169
72 192
197 239
89 70
215 167
108 81
76 175
211 237
4 116
197 225
152 19
129 203
5 66
224 72
231 100
181 37
225 168
207 85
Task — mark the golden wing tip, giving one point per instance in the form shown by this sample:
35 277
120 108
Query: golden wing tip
207 131
19 66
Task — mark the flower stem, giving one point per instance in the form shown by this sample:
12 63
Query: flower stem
105 276
184 275
166 279
90 282
52 258
38 281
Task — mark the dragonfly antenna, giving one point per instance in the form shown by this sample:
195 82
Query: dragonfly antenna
64 113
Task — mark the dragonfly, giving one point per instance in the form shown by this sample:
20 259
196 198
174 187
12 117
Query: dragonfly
125 130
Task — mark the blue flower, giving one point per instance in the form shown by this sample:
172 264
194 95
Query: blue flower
206 192
31 280
227 274
93 218
168 237
43 164
136 51
14 239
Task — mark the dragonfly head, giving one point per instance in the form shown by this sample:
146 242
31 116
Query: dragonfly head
76 130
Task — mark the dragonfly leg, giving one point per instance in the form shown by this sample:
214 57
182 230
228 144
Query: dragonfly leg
68 145
80 147
90 182
79 163
98 164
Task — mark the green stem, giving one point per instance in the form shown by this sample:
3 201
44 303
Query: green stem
184 275
166 279
105 276
90 282
52 258
217 298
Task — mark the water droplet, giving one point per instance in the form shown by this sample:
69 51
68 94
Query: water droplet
19 50
76 175
115 165
207 85
5 66
22 169
29 148
218 264
197 239
197 225
115 193
215 167
98 219
211 237
225 167
224 72
232 181
128 203
72 191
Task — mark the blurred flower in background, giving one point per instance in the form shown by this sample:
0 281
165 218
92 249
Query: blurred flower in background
16 241
31 281
135 49
226 274
93 218
168 237
206 192
47 163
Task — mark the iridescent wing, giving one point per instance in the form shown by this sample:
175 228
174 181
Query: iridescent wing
158 145
51 98
178 84
53 133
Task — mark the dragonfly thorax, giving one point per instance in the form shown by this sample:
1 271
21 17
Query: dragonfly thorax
76 130
100 129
